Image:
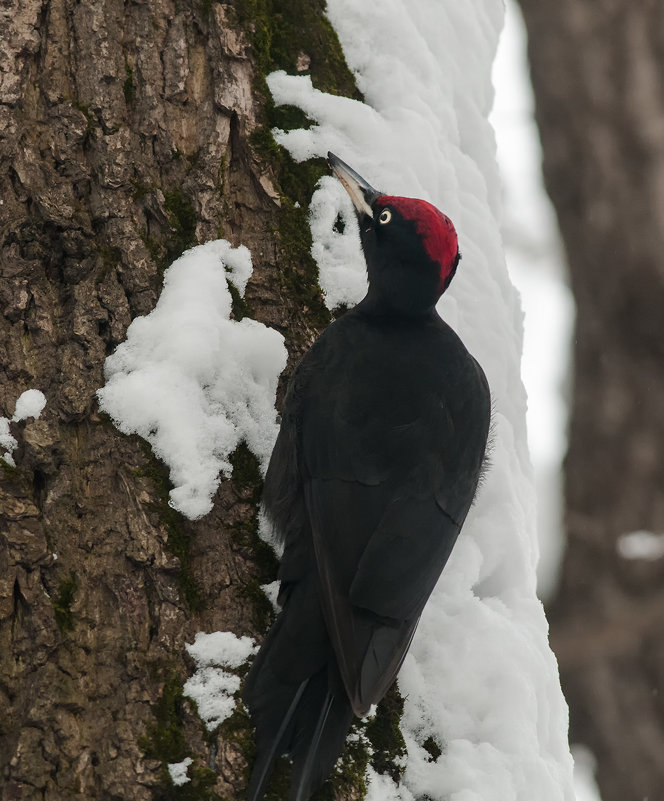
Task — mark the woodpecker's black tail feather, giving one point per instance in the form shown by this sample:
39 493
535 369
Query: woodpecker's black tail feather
270 745
308 723
297 702
323 720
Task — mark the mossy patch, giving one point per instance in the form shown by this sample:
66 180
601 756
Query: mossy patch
89 116
239 306
165 247
128 86
432 748
296 36
182 218
140 190
62 603
11 471
238 728
384 734
262 611
245 535
247 477
246 471
199 787
164 738
178 541
165 741
111 259
299 270
346 781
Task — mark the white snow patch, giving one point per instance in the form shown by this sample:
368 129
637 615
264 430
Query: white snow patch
28 404
8 442
193 382
267 533
178 771
211 686
382 788
342 273
221 648
584 774
480 677
272 592
641 545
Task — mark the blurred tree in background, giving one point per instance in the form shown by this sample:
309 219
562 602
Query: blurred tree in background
597 72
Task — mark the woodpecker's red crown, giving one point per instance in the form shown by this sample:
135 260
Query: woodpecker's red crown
436 230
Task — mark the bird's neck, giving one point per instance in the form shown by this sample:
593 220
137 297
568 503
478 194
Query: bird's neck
376 306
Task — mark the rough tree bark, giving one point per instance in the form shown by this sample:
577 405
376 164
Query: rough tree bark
597 73
128 132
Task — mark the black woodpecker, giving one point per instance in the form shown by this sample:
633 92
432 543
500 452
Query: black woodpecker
382 441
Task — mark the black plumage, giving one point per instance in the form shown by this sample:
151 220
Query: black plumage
377 461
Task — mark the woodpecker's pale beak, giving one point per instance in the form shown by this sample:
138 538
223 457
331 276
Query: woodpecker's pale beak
361 193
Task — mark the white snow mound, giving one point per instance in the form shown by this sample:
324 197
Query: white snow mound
211 686
28 404
179 771
193 382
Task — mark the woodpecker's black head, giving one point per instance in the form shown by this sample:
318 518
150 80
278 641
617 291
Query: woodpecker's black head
410 247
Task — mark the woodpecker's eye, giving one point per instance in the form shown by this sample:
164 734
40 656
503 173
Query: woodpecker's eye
385 216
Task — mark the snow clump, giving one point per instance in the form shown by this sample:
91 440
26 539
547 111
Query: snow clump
193 382
212 686
178 771
29 404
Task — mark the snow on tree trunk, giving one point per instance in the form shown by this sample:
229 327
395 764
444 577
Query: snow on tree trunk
596 71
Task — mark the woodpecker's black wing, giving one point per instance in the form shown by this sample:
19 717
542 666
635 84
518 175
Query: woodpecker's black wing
390 445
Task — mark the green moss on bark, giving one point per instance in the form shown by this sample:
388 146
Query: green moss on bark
165 741
239 305
296 36
247 477
199 787
182 218
128 86
178 540
62 603
246 471
432 748
384 734
164 738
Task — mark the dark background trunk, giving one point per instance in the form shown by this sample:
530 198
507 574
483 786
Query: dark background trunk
597 72
129 132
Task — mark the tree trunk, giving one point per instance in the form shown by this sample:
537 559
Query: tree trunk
128 132
597 73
